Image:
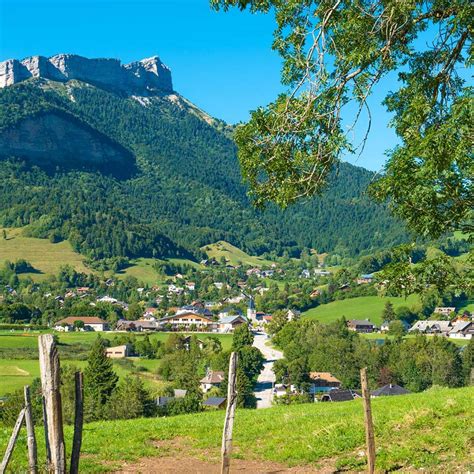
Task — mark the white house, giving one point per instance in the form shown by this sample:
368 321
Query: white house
91 323
431 327
462 330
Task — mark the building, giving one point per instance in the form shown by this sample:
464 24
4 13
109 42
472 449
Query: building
358 325
229 323
462 330
186 319
338 395
444 310
215 402
91 323
293 314
323 382
212 379
365 279
138 325
390 389
119 352
251 311
431 327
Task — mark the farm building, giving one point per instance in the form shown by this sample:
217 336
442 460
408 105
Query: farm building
90 323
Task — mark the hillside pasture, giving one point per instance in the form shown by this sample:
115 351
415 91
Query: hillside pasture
233 255
362 307
45 257
429 431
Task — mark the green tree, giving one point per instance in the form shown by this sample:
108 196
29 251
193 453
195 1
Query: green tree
130 400
388 313
100 380
242 337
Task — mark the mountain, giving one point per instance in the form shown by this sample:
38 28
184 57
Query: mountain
111 158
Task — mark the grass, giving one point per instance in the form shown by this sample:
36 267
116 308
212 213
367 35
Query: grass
233 255
45 256
15 373
429 431
362 307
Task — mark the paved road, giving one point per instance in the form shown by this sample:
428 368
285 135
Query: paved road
266 379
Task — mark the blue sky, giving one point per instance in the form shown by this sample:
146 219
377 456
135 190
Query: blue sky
223 62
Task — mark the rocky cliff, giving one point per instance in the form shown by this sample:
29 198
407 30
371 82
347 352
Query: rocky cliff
146 77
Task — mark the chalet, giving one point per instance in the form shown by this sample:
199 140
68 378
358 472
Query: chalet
119 352
175 290
190 285
235 299
390 389
107 299
338 395
91 323
254 271
363 326
431 327
82 290
321 273
323 382
229 311
215 402
213 378
186 319
187 342
462 330
444 310
365 279
229 323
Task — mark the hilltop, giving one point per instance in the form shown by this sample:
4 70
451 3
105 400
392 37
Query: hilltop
429 431
113 159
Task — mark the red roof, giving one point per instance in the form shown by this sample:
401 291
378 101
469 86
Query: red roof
84 319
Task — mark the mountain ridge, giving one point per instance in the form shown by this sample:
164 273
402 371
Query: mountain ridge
185 189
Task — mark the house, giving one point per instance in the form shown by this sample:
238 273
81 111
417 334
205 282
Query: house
444 310
390 389
315 293
305 273
462 330
187 342
229 312
365 279
215 402
164 401
338 395
91 323
431 327
119 352
212 379
267 318
138 325
186 319
385 326
107 299
293 314
190 285
363 326
323 382
82 290
229 323
321 273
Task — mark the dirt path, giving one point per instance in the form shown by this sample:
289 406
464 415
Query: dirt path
266 379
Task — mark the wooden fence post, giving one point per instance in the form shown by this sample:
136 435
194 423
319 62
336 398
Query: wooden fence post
230 414
78 422
30 432
50 383
369 427
11 443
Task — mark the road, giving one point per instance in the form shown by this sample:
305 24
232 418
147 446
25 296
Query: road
266 379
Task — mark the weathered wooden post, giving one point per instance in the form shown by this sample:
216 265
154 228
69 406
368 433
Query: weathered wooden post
11 443
30 432
78 422
369 427
50 383
230 414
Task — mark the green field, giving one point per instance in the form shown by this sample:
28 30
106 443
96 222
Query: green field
429 432
46 258
15 373
362 307
232 254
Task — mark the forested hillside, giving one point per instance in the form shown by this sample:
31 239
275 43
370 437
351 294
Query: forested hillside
170 183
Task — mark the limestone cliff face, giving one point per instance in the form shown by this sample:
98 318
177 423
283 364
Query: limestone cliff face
146 77
56 138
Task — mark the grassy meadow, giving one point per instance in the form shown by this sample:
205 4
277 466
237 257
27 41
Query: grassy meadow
46 257
17 371
430 431
362 307
233 255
